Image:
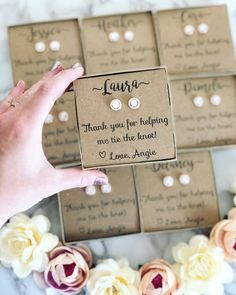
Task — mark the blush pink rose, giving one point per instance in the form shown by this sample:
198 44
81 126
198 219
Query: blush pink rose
158 278
223 235
68 268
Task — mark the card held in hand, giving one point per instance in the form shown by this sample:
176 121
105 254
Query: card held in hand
125 118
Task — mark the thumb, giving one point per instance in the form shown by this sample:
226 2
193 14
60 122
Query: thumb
76 177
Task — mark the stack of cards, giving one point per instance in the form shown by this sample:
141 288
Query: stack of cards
34 49
196 46
125 112
140 200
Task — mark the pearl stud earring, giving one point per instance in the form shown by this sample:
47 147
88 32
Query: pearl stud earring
48 119
134 103
63 116
106 188
215 100
189 30
116 104
198 101
168 181
129 36
40 46
114 36
184 179
90 190
202 28
55 45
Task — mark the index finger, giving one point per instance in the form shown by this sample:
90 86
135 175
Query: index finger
51 90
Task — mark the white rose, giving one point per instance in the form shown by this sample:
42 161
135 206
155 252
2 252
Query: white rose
113 277
201 267
24 243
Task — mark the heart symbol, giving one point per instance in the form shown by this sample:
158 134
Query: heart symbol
102 154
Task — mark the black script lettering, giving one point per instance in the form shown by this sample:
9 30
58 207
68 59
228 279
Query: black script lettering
109 87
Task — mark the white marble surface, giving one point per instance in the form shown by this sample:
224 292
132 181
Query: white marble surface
146 247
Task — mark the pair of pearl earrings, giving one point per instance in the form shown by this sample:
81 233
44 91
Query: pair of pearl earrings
91 189
40 46
201 28
168 181
133 103
115 36
62 116
199 101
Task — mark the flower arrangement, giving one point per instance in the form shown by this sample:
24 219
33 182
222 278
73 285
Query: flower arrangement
201 266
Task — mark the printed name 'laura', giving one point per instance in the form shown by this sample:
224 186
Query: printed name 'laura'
109 87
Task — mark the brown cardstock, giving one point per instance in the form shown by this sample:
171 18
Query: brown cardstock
139 203
190 206
207 126
112 138
198 54
29 65
102 215
60 140
102 56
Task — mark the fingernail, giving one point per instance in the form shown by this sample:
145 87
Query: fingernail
100 181
77 65
55 66
20 83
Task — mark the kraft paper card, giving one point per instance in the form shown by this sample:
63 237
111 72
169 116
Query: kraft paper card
209 125
103 215
60 139
134 45
126 136
197 53
30 65
181 206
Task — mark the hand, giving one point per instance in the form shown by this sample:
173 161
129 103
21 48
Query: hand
26 177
